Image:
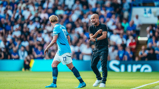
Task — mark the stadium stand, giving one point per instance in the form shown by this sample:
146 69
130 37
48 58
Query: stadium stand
25 30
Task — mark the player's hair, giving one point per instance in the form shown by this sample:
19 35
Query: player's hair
53 18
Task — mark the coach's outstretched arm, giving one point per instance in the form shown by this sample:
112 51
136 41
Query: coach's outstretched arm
52 42
96 34
103 36
92 37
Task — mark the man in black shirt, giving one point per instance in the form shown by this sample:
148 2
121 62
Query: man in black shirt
98 34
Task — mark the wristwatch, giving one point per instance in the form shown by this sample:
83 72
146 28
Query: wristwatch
96 39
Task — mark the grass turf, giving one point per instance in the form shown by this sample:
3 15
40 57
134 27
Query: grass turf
66 80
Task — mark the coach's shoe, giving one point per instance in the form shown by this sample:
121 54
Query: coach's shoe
97 82
102 85
52 85
81 85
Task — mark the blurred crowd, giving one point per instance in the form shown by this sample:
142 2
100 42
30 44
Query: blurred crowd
25 30
151 52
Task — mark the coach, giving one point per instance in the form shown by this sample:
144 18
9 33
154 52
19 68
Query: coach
98 34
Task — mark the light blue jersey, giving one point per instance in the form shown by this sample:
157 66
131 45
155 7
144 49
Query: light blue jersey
62 42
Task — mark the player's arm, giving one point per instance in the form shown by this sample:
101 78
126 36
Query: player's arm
68 38
52 42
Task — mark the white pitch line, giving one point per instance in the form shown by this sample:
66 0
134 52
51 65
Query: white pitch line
145 85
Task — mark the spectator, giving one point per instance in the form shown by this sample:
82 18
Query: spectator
125 8
8 27
119 29
143 53
125 24
121 40
77 53
138 24
21 4
151 55
85 19
22 53
121 53
128 55
59 11
153 41
44 15
4 2
52 55
109 9
132 45
1 54
86 52
77 5
111 24
84 3
78 29
46 57
150 31
113 38
149 47
36 23
113 54
92 2
2 23
26 13
25 43
31 26
6 53
13 4
36 18
2 8
47 4
26 63
14 54
157 52
3 43
116 6
131 26
69 3
39 53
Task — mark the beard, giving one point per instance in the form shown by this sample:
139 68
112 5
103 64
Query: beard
94 23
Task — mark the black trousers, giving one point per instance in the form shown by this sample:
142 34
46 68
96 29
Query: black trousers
96 56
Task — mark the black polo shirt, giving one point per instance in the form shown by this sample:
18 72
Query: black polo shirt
100 44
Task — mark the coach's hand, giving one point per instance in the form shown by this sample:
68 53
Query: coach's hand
46 50
99 31
92 39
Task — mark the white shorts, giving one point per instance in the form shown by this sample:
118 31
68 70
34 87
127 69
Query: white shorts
65 58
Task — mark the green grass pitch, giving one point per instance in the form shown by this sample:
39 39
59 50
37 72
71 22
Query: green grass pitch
66 80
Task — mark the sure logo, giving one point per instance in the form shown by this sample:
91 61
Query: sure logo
118 67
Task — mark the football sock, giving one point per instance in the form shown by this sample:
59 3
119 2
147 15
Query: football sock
76 73
54 74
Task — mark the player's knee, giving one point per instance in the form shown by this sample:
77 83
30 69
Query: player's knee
54 65
70 66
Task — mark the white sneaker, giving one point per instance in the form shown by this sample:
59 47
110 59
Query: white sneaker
102 85
97 82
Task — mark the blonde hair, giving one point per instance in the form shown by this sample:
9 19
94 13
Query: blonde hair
53 18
